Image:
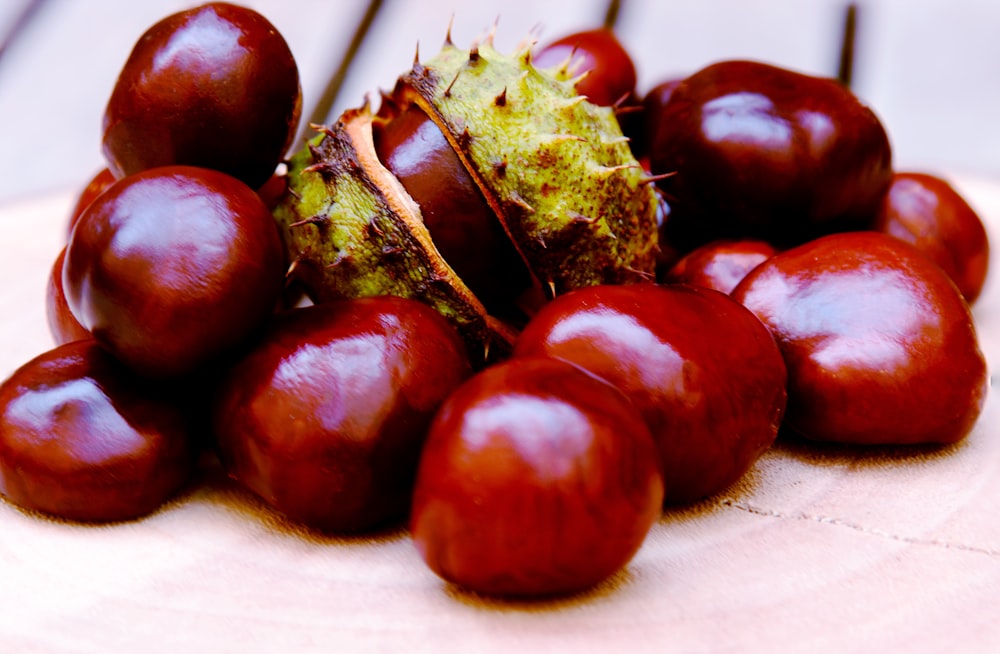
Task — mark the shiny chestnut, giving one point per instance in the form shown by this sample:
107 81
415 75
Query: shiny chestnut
765 152
719 265
880 346
97 185
326 416
214 86
701 369
536 479
63 325
173 268
647 119
463 226
84 439
926 211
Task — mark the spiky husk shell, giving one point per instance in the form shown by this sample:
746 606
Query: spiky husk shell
555 169
351 230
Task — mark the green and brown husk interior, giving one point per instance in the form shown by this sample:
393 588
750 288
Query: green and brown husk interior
554 167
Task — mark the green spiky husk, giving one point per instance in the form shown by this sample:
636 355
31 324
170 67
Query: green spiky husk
351 230
555 168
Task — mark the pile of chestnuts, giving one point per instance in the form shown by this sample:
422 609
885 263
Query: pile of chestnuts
519 307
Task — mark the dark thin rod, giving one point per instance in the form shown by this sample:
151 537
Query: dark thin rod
845 69
611 15
17 28
325 102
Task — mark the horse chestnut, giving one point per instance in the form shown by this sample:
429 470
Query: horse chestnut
83 439
927 212
720 264
652 105
464 228
214 86
536 479
764 152
63 325
700 368
880 345
97 185
555 170
325 417
173 267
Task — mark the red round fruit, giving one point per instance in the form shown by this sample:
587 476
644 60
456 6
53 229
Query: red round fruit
648 121
880 345
81 438
702 370
63 325
324 419
173 267
598 55
927 212
215 86
97 185
536 479
719 265
763 152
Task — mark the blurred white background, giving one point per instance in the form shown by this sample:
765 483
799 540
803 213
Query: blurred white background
929 68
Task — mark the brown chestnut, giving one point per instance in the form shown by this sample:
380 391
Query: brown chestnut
83 439
174 267
537 478
880 346
927 212
464 228
214 86
97 185
325 417
764 152
719 265
700 368
63 325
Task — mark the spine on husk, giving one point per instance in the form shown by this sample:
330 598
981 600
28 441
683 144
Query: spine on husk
555 168
351 230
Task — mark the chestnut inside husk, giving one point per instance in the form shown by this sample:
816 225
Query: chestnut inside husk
554 169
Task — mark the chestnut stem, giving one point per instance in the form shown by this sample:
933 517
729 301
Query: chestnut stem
845 69
611 15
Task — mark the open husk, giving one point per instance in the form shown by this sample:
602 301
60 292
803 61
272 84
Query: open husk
555 169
